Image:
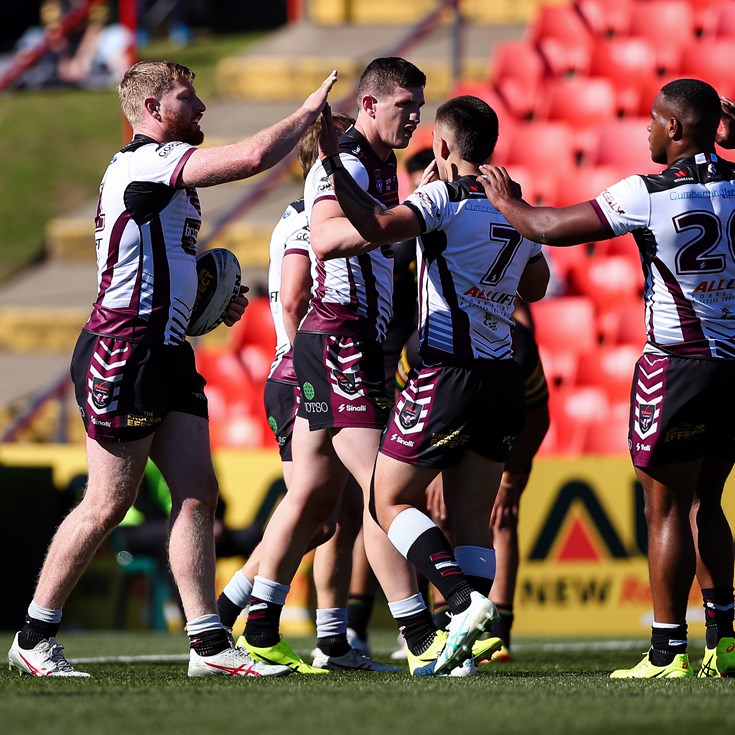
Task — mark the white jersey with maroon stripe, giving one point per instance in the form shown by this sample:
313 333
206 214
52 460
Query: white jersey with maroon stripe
683 221
290 237
353 296
146 233
470 261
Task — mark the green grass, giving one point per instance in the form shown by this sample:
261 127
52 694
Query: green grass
554 692
56 144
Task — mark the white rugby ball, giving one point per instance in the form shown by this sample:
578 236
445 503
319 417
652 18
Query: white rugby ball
218 282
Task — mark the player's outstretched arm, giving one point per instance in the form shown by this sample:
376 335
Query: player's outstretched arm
550 225
220 164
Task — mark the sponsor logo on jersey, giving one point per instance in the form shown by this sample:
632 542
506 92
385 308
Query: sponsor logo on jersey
349 407
139 421
495 297
102 392
164 151
400 440
273 424
308 390
189 235
316 407
449 440
646 413
612 202
97 422
378 181
409 414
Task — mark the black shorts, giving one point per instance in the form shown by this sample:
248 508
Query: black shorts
682 410
125 389
341 380
445 410
281 401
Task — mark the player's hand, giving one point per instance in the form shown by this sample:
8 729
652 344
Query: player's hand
505 508
497 183
236 308
435 506
726 132
315 102
328 137
429 174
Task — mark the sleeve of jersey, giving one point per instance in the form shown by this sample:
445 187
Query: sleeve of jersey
319 187
430 205
297 240
160 164
624 206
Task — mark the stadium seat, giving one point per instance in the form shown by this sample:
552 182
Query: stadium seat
584 103
256 327
668 25
722 23
649 90
710 59
563 259
544 148
607 436
629 327
587 184
605 18
608 281
562 38
623 143
572 410
517 70
609 367
628 63
221 367
565 328
528 182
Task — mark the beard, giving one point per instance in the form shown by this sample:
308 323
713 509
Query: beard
181 130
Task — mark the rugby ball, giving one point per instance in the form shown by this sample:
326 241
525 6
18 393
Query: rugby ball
218 282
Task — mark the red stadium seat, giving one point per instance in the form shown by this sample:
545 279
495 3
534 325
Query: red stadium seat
607 436
723 20
608 281
563 259
256 326
562 38
222 368
624 143
628 63
668 25
710 59
629 327
517 70
589 182
544 148
565 328
605 18
611 368
584 103
572 410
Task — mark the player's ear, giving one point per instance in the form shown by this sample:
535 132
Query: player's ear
675 128
368 104
152 107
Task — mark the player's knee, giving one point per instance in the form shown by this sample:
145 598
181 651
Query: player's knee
323 534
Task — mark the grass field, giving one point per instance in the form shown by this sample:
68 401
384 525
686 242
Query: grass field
553 687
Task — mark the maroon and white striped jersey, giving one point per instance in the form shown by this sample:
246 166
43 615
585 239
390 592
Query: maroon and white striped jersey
470 261
683 221
353 296
145 234
290 237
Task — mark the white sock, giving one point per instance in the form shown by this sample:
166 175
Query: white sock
331 621
239 590
270 591
409 606
44 614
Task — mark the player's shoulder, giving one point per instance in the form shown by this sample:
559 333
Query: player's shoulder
465 187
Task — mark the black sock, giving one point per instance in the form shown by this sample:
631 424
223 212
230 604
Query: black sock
501 628
418 630
333 645
210 642
228 611
359 611
432 555
666 643
264 622
480 584
34 631
718 614
440 616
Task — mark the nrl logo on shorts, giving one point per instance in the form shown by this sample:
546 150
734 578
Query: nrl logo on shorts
345 381
101 392
645 416
409 414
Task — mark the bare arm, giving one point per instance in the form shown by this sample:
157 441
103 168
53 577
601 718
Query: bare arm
551 225
355 224
534 280
726 133
295 290
220 164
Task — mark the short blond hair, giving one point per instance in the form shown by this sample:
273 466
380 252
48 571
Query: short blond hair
148 79
307 149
